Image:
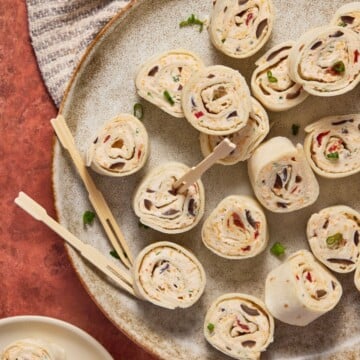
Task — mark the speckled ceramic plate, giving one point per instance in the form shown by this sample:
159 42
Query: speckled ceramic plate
102 87
76 343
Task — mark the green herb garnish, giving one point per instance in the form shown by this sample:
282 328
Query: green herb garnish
277 249
88 217
192 20
295 129
333 155
334 240
176 78
168 98
141 225
338 67
271 78
114 254
223 40
211 327
138 111
341 23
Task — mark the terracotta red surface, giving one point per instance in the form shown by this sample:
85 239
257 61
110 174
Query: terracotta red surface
35 275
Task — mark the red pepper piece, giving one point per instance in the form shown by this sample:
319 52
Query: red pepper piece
356 55
320 137
308 276
107 138
199 114
237 221
247 248
243 326
249 18
335 146
297 277
331 71
139 154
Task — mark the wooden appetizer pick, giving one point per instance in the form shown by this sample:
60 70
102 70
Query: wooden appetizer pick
119 276
220 151
95 196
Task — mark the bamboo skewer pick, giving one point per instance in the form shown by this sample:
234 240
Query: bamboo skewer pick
94 256
220 151
96 198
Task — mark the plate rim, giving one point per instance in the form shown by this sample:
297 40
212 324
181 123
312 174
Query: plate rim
40 319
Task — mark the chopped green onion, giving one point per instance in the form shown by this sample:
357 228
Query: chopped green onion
88 217
211 327
138 111
341 23
141 225
295 129
176 78
223 40
333 156
114 254
192 20
334 240
168 98
277 249
338 67
271 78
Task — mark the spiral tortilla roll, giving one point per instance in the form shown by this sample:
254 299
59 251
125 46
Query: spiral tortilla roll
120 148
357 277
300 290
246 139
348 16
236 229
333 235
168 275
241 28
32 349
162 78
216 100
280 176
332 145
160 207
271 83
325 61
239 325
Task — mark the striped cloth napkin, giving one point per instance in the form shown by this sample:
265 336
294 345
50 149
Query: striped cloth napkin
60 31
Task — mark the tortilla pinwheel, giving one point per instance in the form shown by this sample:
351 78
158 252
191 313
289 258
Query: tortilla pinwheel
271 83
32 349
241 28
168 275
280 176
246 140
120 148
236 229
334 235
159 206
162 78
239 326
348 16
332 145
300 290
216 100
325 61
